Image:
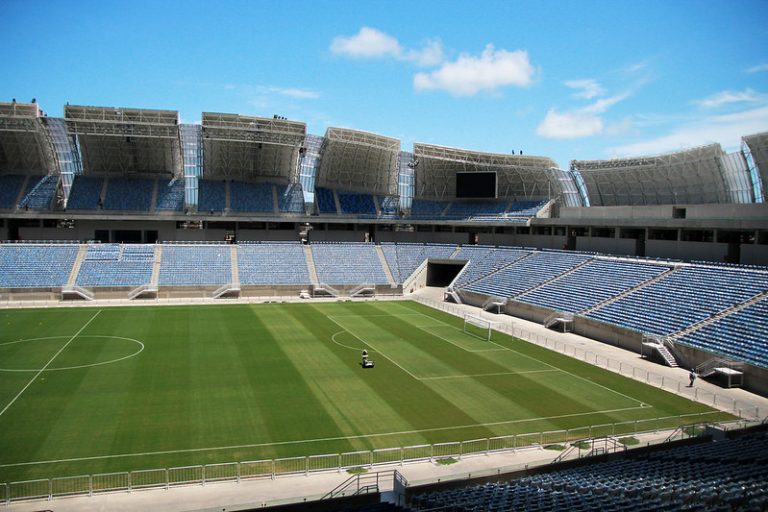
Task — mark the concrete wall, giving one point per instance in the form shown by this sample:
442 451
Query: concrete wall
619 246
686 250
250 235
754 254
757 212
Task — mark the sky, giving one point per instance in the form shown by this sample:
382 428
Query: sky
564 79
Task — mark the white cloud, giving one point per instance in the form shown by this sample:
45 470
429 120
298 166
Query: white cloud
429 55
569 125
725 129
294 92
759 68
371 43
588 88
577 123
368 43
726 97
469 75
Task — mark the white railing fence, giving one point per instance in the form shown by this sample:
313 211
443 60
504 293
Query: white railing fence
164 478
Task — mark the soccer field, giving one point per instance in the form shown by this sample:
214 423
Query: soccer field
88 390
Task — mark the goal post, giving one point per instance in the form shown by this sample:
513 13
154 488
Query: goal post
478 326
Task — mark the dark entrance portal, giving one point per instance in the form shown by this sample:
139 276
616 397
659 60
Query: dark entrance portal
442 272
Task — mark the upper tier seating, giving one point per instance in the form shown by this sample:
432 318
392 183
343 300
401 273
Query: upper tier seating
348 263
290 198
212 196
741 335
196 265
10 187
425 208
683 297
525 208
484 260
134 194
464 209
727 475
591 284
325 201
527 273
85 193
36 265
404 259
272 263
251 197
116 265
40 192
170 195
356 204
389 206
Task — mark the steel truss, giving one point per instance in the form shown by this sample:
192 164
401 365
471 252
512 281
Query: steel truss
359 161
251 148
519 177
758 150
694 176
126 141
25 147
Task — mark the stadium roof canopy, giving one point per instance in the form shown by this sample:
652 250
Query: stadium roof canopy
758 148
25 147
251 148
358 161
126 141
518 176
694 176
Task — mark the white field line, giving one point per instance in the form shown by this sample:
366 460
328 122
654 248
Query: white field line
642 404
525 372
460 376
373 347
322 439
41 370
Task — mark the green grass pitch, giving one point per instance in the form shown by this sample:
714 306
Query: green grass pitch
87 390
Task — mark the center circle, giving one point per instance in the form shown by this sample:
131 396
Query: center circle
136 345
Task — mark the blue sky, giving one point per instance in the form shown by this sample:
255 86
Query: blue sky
564 79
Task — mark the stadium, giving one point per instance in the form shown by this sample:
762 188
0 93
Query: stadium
186 304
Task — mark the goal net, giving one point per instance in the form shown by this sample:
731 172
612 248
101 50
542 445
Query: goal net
478 327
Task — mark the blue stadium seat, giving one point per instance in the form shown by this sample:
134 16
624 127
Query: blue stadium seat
356 204
36 265
427 209
212 196
40 192
348 263
591 284
129 194
741 335
115 265
251 197
527 273
85 193
727 475
195 265
290 199
268 263
325 201
683 297
170 195
10 188
403 259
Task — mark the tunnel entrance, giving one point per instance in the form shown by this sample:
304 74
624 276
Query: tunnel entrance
441 272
